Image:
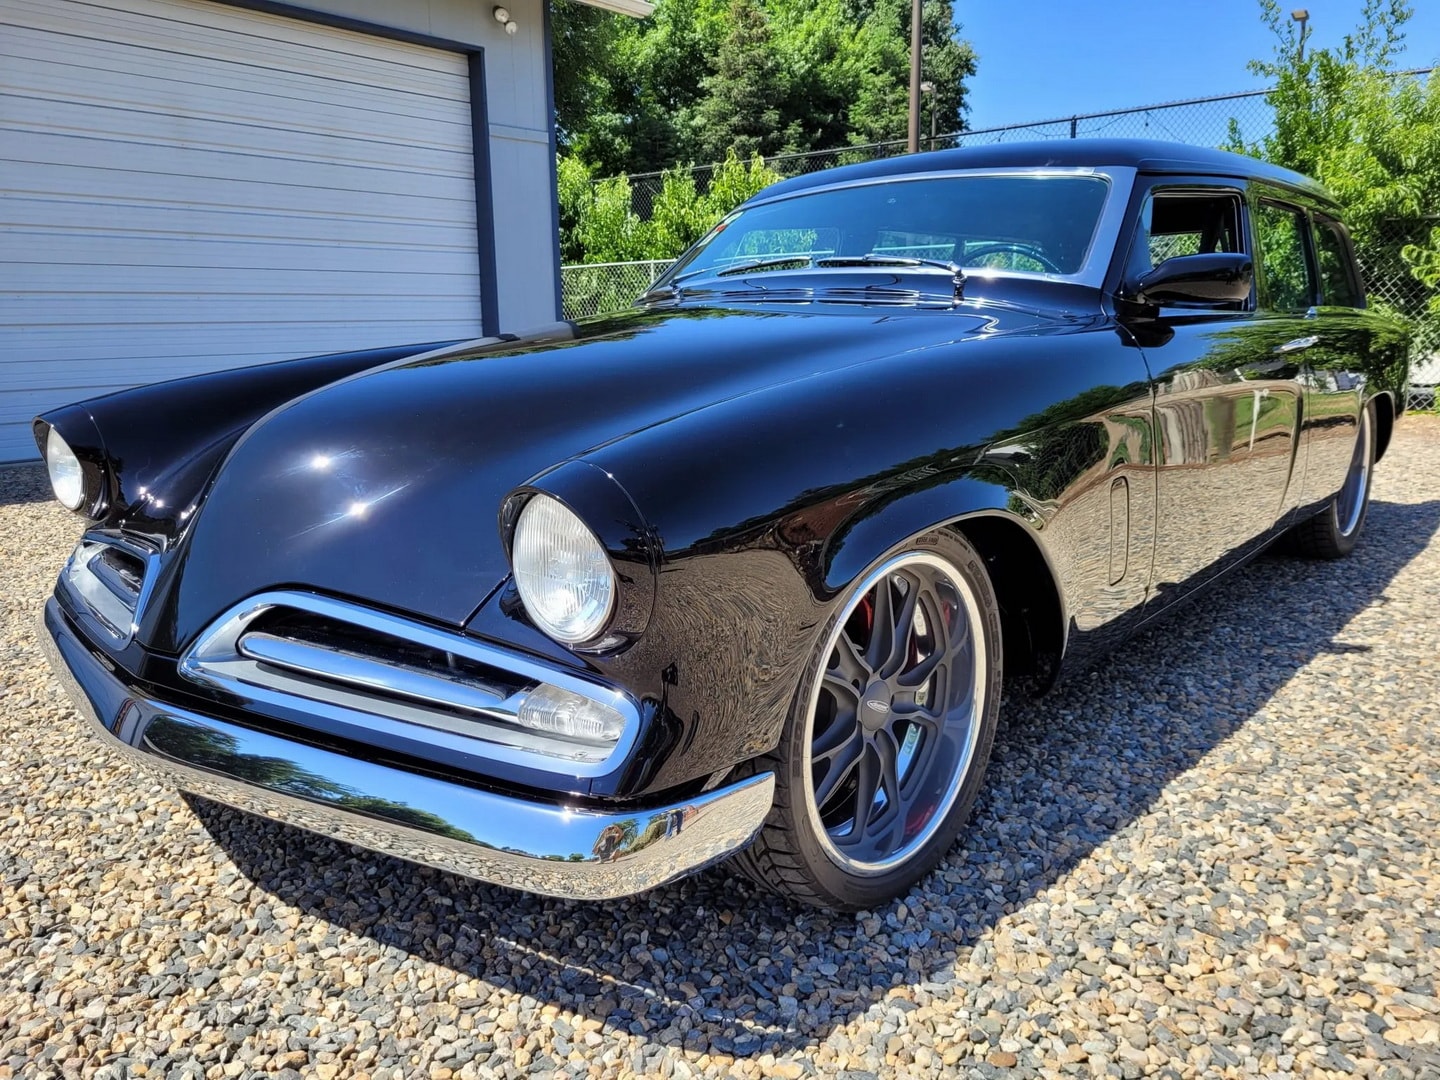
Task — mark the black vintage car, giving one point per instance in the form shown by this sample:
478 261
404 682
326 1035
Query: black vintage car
742 570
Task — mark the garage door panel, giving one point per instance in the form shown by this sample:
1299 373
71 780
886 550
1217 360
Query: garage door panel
31 253
33 284
272 45
433 142
137 164
224 93
191 187
99 187
287 226
120 311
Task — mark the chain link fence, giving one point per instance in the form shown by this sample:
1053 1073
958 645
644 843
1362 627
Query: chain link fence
595 288
1210 121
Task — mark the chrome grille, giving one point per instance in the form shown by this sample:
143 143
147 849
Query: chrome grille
110 576
304 657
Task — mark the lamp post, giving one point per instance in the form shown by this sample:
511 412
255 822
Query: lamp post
915 13
928 87
1301 16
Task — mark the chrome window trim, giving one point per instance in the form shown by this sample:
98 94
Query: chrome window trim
216 660
1092 270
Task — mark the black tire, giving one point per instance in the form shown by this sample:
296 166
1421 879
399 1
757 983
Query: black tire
802 852
1334 531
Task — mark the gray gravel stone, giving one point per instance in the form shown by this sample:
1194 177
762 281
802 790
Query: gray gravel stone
1218 854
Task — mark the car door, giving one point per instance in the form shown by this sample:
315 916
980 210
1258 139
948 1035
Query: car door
1226 389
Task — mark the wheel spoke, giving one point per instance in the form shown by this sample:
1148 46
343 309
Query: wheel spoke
843 690
841 728
849 663
867 781
843 759
904 626
888 750
882 626
950 643
905 707
917 676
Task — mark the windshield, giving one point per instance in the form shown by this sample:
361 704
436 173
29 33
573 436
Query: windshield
1040 223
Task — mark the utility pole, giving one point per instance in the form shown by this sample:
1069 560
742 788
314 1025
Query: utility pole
1301 16
915 12
928 89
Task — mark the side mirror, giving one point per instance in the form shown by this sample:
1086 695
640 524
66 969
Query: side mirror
1212 278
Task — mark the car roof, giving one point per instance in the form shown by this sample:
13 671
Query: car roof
1145 155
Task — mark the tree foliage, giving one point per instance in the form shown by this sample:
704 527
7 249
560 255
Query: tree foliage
598 223
702 77
1372 137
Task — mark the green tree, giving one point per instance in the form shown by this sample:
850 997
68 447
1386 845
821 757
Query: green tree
739 110
701 77
1371 136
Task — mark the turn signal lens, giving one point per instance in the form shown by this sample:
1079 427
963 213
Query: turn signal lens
559 712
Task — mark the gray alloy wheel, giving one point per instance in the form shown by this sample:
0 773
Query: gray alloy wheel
1333 533
890 733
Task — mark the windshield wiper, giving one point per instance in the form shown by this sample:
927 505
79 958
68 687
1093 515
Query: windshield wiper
747 267
953 269
891 260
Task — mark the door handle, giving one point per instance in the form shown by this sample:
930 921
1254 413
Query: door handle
1296 344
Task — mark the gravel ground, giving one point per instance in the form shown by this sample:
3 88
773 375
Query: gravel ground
1216 855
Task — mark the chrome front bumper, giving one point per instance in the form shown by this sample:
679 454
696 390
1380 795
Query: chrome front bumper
538 847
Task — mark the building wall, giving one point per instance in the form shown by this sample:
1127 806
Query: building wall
517 74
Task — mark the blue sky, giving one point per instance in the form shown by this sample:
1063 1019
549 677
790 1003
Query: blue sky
1041 59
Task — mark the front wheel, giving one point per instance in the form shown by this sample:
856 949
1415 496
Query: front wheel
889 735
1334 532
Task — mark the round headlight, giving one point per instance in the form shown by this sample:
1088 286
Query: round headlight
66 477
562 572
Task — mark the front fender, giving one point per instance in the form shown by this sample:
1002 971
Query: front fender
767 505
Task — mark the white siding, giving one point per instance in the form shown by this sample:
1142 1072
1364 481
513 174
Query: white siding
186 186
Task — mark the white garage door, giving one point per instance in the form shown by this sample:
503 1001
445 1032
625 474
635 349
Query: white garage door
186 186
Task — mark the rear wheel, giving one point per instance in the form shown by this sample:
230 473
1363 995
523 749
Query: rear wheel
1333 533
889 735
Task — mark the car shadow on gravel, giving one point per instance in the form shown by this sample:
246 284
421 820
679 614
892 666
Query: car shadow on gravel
24 484
727 967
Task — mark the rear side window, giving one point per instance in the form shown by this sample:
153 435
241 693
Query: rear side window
1338 286
1285 283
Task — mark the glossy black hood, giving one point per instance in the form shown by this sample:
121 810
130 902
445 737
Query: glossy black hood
385 486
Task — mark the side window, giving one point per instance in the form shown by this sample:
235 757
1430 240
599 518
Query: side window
1186 222
1285 283
1338 286
1191 223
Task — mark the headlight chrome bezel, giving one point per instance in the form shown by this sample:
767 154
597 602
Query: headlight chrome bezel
566 528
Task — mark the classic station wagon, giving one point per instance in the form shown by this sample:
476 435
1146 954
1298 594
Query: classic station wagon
744 569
